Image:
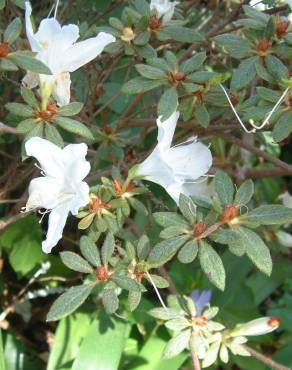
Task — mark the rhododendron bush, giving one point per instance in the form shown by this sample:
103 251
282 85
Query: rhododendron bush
146 203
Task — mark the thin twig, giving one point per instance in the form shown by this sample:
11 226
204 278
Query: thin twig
264 359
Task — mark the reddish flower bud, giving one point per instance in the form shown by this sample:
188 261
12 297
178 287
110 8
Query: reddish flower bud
102 273
200 228
282 28
230 213
4 49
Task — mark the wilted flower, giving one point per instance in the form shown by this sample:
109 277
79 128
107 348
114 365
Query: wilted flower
61 190
56 47
233 339
164 9
175 167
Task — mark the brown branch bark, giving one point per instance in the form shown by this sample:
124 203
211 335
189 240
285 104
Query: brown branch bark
236 141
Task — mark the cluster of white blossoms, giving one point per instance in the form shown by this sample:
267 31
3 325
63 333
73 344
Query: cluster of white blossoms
178 169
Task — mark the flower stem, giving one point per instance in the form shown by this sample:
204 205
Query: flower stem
265 360
195 360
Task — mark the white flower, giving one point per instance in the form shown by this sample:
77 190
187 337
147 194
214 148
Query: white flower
284 238
286 198
61 190
56 47
174 167
261 326
164 9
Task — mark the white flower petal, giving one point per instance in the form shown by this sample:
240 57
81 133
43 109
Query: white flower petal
84 51
190 161
286 198
61 90
77 167
224 357
284 238
48 155
211 354
155 169
57 221
261 326
35 46
166 131
81 199
44 192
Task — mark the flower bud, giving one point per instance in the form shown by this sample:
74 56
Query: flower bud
261 326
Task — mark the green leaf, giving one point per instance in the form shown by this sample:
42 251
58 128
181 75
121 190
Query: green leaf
201 77
89 250
134 299
110 300
29 63
179 33
27 125
269 215
256 250
29 97
13 30
75 262
235 45
22 241
283 127
69 301
167 219
244 193
140 84
70 109
212 265
126 283
194 63
74 126
171 60
138 206
150 356
143 248
64 351
159 281
7 65
21 110
150 72
171 231
164 313
188 252
165 250
2 5
276 67
202 115
107 248
168 103
177 344
224 187
103 345
53 135
188 208
244 74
